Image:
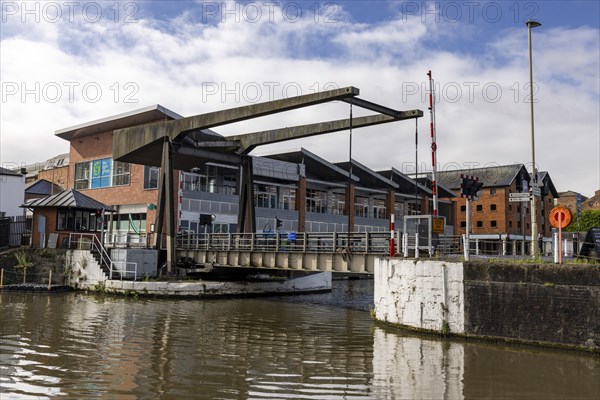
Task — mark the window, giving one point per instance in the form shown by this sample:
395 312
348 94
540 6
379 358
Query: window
492 207
463 208
510 224
463 224
77 220
479 208
379 209
361 206
493 224
265 196
121 173
509 207
151 177
229 185
480 224
288 198
398 210
316 201
82 175
101 173
492 191
338 203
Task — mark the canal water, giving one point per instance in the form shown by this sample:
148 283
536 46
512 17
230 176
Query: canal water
78 346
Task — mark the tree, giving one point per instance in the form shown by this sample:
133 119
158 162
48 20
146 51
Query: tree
587 220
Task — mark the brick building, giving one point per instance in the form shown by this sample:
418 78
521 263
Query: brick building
493 214
572 200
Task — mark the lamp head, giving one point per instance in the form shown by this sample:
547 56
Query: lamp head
532 24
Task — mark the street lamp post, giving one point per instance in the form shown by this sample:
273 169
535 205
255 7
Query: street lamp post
534 228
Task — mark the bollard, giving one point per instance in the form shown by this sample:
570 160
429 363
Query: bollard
476 247
504 252
49 280
405 244
465 247
565 248
417 245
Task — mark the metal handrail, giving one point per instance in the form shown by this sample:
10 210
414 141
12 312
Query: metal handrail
358 242
123 271
94 244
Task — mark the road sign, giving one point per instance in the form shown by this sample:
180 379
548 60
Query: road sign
438 225
519 199
519 195
536 191
560 217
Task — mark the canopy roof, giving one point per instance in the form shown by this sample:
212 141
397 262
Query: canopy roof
69 198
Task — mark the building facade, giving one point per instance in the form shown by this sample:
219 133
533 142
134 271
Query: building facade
493 213
12 193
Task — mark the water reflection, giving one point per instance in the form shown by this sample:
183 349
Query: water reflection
79 346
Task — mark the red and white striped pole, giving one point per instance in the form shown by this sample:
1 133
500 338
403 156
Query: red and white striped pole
433 145
392 244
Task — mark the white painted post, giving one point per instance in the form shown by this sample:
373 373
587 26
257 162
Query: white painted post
417 245
405 244
476 247
565 248
504 246
465 246
556 247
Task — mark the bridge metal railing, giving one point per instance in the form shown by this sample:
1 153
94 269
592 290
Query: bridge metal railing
362 242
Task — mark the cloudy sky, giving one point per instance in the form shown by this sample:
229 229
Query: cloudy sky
66 63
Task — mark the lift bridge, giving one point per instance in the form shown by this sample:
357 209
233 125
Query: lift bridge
189 142
336 252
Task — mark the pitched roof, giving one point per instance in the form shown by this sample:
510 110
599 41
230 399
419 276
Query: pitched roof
4 171
502 175
69 198
42 186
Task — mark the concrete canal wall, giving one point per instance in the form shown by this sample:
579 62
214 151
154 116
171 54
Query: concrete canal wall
85 274
543 304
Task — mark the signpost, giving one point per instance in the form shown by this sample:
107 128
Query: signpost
469 188
519 197
560 217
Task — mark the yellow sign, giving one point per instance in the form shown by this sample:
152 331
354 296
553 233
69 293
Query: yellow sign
438 225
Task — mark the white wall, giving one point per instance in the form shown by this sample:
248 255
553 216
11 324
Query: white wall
420 294
12 194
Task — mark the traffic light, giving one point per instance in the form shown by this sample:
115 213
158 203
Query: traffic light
98 213
278 223
469 186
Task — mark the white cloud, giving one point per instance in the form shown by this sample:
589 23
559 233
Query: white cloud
180 63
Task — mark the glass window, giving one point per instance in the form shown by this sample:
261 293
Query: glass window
121 173
398 210
229 185
493 224
510 224
82 175
316 201
463 208
379 209
480 224
265 196
479 208
361 206
76 220
492 207
338 203
492 191
463 224
288 198
151 177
